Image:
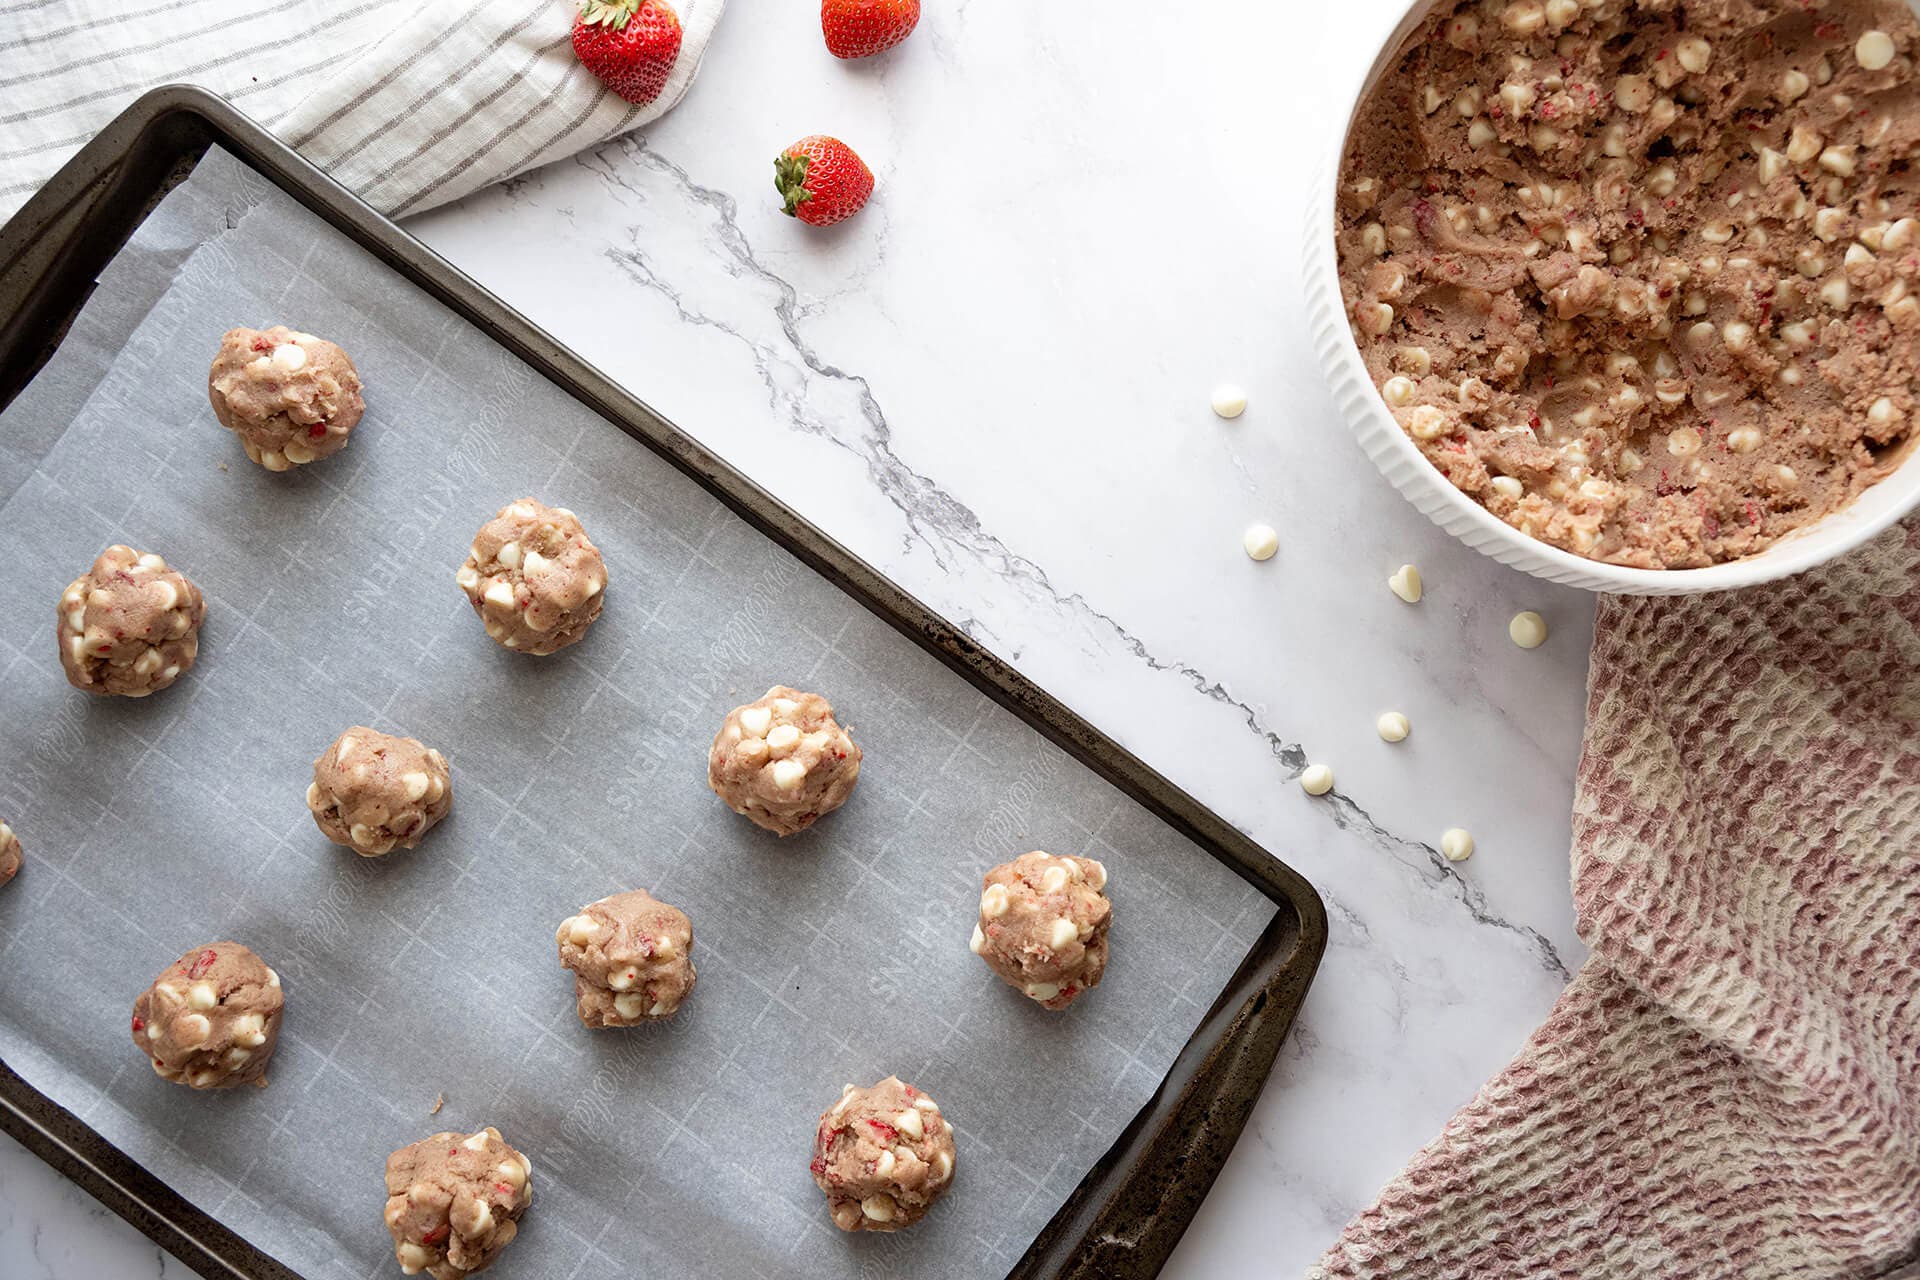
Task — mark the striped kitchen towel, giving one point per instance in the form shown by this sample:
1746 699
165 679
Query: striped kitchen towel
410 105
1730 1088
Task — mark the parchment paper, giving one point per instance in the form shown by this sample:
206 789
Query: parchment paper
155 825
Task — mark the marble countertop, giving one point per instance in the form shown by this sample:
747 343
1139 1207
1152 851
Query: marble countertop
993 384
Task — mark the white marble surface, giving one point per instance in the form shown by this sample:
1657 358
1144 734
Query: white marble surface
994 385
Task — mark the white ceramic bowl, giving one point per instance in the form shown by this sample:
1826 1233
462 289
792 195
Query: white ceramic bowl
1384 441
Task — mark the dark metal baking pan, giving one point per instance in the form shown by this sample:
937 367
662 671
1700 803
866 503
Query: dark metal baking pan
1125 1217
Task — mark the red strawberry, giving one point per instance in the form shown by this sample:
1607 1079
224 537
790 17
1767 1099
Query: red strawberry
821 180
862 28
630 44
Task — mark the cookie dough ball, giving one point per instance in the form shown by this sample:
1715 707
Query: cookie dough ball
10 856
372 791
289 396
130 625
632 959
211 1019
534 577
883 1155
783 761
1043 926
454 1202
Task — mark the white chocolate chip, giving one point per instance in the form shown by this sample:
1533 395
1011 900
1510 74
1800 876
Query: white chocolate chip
1398 391
755 720
1260 541
202 995
1527 629
909 1123
1053 879
1743 439
508 556
628 1006
1229 401
1427 422
298 453
994 902
1457 844
883 1164
192 1029
1316 780
926 1104
1064 931
978 942
510 1172
782 737
1874 50
623 979
942 1166
273 979
274 460
1683 442
415 784
1096 873
500 593
582 930
478 1142
1042 991
290 357
468 578
787 774
237 1057
1405 583
534 562
1693 54
878 1207
660 1009
1392 726
249 1030
151 562
1507 486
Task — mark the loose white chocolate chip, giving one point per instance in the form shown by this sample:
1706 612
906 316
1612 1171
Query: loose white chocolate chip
787 774
1405 583
978 942
1528 629
1316 779
909 1123
755 720
415 784
202 995
1874 50
1392 726
1457 844
1260 541
994 902
1064 931
878 1207
1229 401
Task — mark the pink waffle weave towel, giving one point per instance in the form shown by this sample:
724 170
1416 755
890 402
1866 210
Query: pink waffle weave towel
1731 1085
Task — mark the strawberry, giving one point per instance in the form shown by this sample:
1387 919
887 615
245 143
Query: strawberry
631 45
821 180
862 28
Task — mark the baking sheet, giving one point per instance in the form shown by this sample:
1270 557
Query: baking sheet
157 824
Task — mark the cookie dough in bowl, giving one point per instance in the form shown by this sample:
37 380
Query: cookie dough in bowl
783 760
374 792
534 577
1606 288
292 398
211 1020
454 1201
883 1155
130 625
1043 926
631 957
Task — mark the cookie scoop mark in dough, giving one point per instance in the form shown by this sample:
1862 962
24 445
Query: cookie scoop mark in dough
130 625
11 856
374 792
534 577
632 959
883 1155
1043 926
783 761
454 1201
211 1020
292 398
